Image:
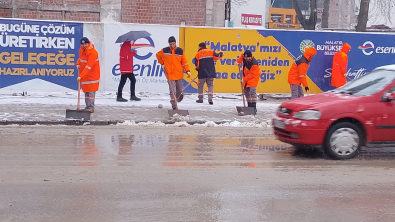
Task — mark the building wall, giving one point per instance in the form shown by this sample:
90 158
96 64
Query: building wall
341 14
192 12
215 13
74 10
256 7
164 12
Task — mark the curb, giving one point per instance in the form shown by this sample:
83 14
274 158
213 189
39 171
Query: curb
94 123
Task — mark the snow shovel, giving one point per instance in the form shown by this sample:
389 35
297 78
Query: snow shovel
173 95
243 110
79 115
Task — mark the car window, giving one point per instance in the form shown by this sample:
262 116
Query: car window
368 84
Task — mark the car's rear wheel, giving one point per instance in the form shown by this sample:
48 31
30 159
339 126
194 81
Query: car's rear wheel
343 141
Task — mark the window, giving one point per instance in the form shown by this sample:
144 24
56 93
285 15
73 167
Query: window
368 84
276 18
288 19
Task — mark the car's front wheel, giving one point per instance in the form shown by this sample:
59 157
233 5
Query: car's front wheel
343 141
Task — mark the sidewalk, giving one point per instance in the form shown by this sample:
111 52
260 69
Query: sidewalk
50 108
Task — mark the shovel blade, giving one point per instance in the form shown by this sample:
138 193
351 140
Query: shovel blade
179 112
78 115
246 110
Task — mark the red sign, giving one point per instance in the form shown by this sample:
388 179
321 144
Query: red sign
248 19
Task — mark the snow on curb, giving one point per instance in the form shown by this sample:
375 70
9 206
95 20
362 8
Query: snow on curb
235 123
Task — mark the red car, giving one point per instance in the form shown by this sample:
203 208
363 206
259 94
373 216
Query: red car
361 112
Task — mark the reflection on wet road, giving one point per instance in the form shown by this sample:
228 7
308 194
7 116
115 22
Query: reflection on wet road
112 176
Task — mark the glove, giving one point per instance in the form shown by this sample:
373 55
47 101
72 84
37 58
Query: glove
306 88
79 79
221 54
345 75
197 68
189 74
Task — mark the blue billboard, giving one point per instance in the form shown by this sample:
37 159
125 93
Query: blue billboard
39 50
368 51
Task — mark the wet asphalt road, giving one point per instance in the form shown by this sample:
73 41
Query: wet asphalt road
184 174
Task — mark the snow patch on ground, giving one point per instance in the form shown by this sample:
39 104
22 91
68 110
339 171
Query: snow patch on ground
51 107
254 124
177 118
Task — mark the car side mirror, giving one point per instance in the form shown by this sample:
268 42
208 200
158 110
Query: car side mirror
390 96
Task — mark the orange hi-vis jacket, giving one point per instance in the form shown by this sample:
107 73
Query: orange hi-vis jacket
89 68
297 73
339 66
251 71
174 61
204 62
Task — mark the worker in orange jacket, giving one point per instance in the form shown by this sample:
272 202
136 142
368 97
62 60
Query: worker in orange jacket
339 66
297 73
173 61
250 78
205 65
88 72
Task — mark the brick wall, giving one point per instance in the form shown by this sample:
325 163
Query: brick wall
168 12
71 10
5 12
82 16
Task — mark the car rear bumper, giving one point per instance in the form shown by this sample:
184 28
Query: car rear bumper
304 132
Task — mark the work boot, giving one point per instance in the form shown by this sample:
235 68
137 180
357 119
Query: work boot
180 98
200 99
135 98
120 99
88 110
254 105
210 101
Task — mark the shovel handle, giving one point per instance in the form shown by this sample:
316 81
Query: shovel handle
79 91
193 80
242 89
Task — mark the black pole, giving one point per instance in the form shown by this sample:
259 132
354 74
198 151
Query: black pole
227 10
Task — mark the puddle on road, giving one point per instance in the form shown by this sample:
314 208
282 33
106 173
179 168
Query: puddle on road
149 150
159 150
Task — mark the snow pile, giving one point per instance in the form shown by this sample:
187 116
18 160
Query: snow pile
180 124
177 118
207 124
149 123
253 124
